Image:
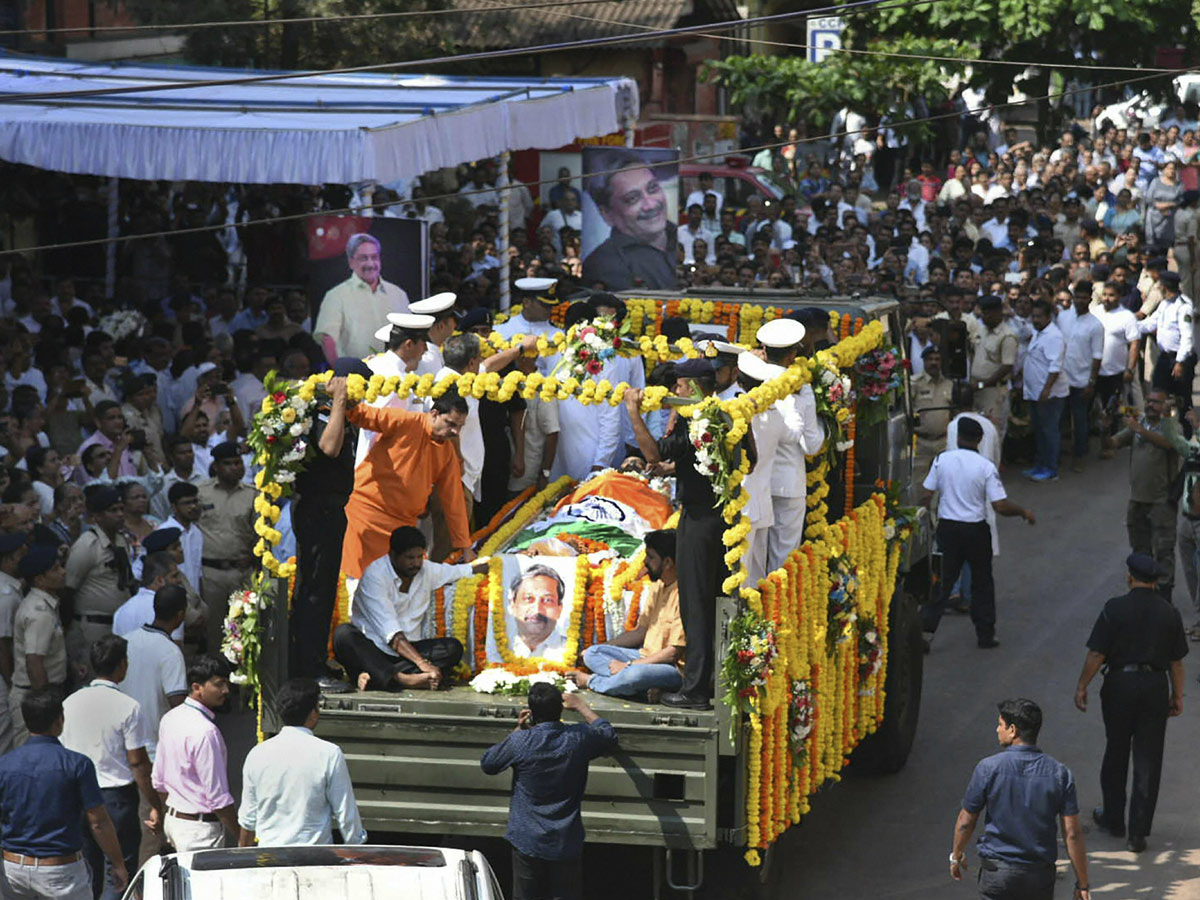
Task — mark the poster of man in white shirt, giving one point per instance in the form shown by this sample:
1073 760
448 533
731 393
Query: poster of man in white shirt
539 606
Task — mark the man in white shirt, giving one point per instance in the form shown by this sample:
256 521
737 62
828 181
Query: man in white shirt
769 429
706 189
1174 330
1046 389
967 483
693 231
1120 358
390 642
537 299
1084 335
156 677
995 229
185 515
158 570
566 216
109 728
295 786
441 308
351 311
404 338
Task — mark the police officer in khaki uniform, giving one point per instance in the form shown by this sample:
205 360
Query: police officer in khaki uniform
12 550
933 399
227 522
992 364
99 573
39 645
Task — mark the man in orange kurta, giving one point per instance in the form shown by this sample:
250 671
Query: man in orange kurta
414 453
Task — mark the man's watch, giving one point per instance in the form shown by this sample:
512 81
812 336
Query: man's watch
956 859
545 473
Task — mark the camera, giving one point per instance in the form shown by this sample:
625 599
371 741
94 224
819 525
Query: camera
217 388
137 439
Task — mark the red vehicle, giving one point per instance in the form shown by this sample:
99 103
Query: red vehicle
735 178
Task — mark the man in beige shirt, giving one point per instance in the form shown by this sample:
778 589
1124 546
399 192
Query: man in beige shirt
933 399
39 646
227 523
352 310
650 657
992 364
99 573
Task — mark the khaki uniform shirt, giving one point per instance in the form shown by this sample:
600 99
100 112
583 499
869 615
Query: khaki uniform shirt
660 615
92 573
227 520
351 313
1151 468
10 599
997 347
38 630
928 394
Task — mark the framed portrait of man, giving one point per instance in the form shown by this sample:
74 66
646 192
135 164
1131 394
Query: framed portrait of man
539 607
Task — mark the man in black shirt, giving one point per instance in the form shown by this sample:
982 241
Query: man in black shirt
1138 639
699 553
319 521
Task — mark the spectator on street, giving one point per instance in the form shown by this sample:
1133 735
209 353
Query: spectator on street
158 571
550 762
47 794
295 786
157 677
191 762
39 648
1025 793
110 729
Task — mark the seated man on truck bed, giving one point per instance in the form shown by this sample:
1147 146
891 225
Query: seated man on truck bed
651 655
388 643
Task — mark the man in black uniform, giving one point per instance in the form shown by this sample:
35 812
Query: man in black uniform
319 521
699 553
1138 639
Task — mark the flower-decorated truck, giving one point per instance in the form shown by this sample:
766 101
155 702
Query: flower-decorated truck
819 659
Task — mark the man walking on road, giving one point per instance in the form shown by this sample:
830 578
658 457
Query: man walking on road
1138 639
295 786
968 484
1046 391
1026 794
550 768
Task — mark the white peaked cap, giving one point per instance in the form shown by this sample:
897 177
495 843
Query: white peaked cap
780 333
754 366
432 305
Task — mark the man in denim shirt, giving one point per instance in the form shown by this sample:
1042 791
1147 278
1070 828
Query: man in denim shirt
1026 793
550 767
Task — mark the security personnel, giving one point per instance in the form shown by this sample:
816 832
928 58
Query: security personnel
99 573
933 401
700 554
967 483
1171 324
319 521
1138 639
992 363
13 546
39 645
227 523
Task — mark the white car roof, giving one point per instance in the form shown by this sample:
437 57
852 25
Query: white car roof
330 873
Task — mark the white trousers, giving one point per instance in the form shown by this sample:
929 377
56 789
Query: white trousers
184 834
787 532
756 559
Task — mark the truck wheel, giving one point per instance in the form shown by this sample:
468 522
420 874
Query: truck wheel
886 751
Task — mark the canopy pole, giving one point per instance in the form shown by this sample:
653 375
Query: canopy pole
502 186
630 131
114 228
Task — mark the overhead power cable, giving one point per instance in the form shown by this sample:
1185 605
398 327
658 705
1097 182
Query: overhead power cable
274 220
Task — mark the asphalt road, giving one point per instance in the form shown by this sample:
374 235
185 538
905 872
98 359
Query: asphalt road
890 837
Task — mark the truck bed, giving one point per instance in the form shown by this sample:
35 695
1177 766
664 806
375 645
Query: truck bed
414 760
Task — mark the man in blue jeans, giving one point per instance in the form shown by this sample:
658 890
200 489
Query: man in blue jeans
649 656
1046 389
1025 794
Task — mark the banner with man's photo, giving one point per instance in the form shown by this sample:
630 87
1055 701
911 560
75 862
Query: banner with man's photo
403 246
539 606
630 207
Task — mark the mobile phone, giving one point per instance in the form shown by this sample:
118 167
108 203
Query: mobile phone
137 439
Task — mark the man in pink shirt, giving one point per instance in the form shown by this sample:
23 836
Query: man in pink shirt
190 766
111 433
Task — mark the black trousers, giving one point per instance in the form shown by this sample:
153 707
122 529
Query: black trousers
969 542
358 654
1109 390
1000 880
122 806
1179 388
546 879
700 568
320 527
1135 706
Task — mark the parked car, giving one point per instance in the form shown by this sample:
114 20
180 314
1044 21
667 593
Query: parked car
327 872
735 178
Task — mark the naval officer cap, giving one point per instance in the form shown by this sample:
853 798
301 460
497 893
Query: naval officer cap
754 366
541 289
780 333
719 348
1143 567
407 321
431 306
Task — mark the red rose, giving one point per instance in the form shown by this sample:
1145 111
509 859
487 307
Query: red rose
706 437
583 354
616 343
279 398
595 366
271 439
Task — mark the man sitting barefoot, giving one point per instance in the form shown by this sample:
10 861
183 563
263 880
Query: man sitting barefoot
388 644
649 657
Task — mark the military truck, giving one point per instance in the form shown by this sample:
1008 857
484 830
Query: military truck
677 784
